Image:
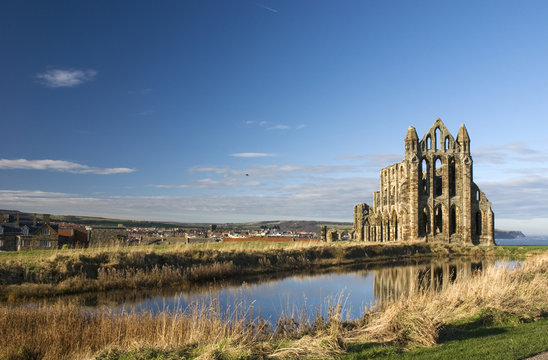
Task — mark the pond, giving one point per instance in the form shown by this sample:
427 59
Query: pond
304 294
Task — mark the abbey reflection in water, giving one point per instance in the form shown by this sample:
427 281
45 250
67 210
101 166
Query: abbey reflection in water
394 282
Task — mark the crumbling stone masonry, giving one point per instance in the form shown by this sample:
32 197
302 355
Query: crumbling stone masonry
429 196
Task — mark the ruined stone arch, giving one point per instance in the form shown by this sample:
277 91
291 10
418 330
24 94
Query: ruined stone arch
447 144
345 235
452 177
439 211
424 176
454 215
438 175
394 226
425 221
379 229
437 138
428 142
402 221
385 221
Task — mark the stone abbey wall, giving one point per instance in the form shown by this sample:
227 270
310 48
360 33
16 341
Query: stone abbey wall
429 196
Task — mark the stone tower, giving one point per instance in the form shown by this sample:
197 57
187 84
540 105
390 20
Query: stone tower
429 196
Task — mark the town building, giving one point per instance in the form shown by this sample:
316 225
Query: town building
22 231
100 236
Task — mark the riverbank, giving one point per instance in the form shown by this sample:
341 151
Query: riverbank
499 313
48 273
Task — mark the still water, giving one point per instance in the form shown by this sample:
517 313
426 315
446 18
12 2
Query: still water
356 288
527 241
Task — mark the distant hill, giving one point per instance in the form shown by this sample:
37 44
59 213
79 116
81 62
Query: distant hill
284 225
508 234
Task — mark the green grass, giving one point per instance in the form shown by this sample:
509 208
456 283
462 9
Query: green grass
517 251
469 340
472 340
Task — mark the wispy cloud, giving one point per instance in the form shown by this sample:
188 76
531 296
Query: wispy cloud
316 199
373 160
501 154
59 165
279 127
252 155
273 126
277 171
55 78
208 183
268 8
523 197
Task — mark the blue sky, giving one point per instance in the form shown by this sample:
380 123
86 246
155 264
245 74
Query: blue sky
228 111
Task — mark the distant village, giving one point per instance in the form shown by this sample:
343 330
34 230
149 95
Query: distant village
24 231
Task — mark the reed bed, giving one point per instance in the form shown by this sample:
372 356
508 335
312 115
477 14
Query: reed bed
77 271
207 332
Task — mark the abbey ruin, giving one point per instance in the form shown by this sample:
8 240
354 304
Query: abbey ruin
429 196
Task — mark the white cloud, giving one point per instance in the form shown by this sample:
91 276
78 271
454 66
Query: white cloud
252 155
519 204
55 78
501 154
59 165
316 199
280 127
373 160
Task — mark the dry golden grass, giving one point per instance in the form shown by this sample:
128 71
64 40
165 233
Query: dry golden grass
415 320
207 332
43 273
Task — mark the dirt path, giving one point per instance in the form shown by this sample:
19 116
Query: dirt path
542 356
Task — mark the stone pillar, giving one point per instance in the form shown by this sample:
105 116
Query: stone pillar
413 196
323 233
466 196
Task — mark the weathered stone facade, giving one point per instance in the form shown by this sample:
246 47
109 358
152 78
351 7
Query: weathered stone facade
429 196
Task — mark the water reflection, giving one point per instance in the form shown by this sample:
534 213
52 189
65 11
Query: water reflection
392 283
308 292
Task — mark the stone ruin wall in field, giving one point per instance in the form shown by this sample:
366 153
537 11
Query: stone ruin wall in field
429 196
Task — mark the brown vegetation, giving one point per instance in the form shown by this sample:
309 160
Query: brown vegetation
69 332
126 268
